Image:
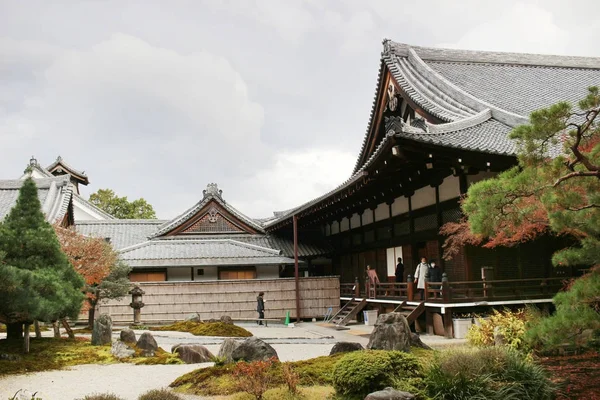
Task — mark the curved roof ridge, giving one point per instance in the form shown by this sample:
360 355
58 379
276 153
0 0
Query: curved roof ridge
69 168
493 57
461 95
461 124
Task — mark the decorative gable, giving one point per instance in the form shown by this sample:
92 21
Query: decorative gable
213 222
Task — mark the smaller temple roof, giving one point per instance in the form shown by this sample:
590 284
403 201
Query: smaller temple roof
55 194
60 166
212 193
199 252
121 232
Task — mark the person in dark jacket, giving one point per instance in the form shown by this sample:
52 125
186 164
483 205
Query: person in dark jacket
260 307
435 273
399 270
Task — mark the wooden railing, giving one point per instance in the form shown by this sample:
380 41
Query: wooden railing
458 292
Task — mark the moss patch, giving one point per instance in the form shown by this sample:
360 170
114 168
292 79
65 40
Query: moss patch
282 393
49 354
205 329
219 380
31 328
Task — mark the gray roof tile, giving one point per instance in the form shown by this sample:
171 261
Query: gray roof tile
122 232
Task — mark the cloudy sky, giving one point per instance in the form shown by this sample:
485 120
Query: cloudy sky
270 99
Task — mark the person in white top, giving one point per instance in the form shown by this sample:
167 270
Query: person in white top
420 273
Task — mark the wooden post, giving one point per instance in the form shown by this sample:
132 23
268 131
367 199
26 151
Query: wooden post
410 288
445 288
356 287
429 322
448 323
296 273
426 289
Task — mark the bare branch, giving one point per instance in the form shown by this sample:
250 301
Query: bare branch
576 174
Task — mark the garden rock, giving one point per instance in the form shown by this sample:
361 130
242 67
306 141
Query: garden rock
148 344
253 349
194 354
345 347
194 318
120 350
226 319
390 394
415 340
9 357
228 346
102 332
391 333
127 336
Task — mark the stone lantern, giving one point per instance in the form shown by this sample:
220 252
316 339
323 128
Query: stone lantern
136 303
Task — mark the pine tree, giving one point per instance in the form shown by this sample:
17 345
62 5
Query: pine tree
38 282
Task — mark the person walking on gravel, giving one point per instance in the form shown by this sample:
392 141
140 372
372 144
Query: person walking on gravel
260 307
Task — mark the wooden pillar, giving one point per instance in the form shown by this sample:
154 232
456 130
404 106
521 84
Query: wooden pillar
296 273
447 317
429 322
440 222
410 288
192 272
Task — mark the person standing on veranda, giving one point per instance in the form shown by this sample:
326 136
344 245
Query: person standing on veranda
372 280
420 273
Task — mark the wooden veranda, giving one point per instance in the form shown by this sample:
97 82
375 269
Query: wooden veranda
442 299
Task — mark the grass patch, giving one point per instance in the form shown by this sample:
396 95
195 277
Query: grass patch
205 329
50 354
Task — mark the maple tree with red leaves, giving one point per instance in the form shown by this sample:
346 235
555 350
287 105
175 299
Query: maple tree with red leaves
95 260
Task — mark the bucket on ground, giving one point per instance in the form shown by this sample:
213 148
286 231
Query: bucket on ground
461 327
370 317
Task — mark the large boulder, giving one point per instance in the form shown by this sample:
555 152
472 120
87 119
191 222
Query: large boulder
194 353
120 350
147 344
102 331
253 349
226 319
391 332
228 346
415 341
390 394
194 318
127 336
345 347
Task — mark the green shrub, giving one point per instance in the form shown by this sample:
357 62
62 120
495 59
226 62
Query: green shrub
488 373
159 394
510 324
362 372
577 318
102 396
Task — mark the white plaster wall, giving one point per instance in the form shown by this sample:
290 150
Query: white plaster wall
335 227
471 179
450 188
267 271
345 224
382 212
400 206
367 217
423 197
179 274
355 221
210 274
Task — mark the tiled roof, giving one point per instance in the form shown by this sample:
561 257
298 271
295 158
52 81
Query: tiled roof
55 194
198 252
122 232
210 194
286 246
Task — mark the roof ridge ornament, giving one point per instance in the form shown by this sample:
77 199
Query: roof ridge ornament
212 189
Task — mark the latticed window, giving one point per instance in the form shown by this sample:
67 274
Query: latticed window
426 222
212 223
452 215
402 228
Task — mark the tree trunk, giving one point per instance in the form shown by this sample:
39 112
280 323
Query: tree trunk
26 339
38 332
65 324
91 316
14 331
56 329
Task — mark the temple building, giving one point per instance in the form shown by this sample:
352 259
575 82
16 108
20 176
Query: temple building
440 122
